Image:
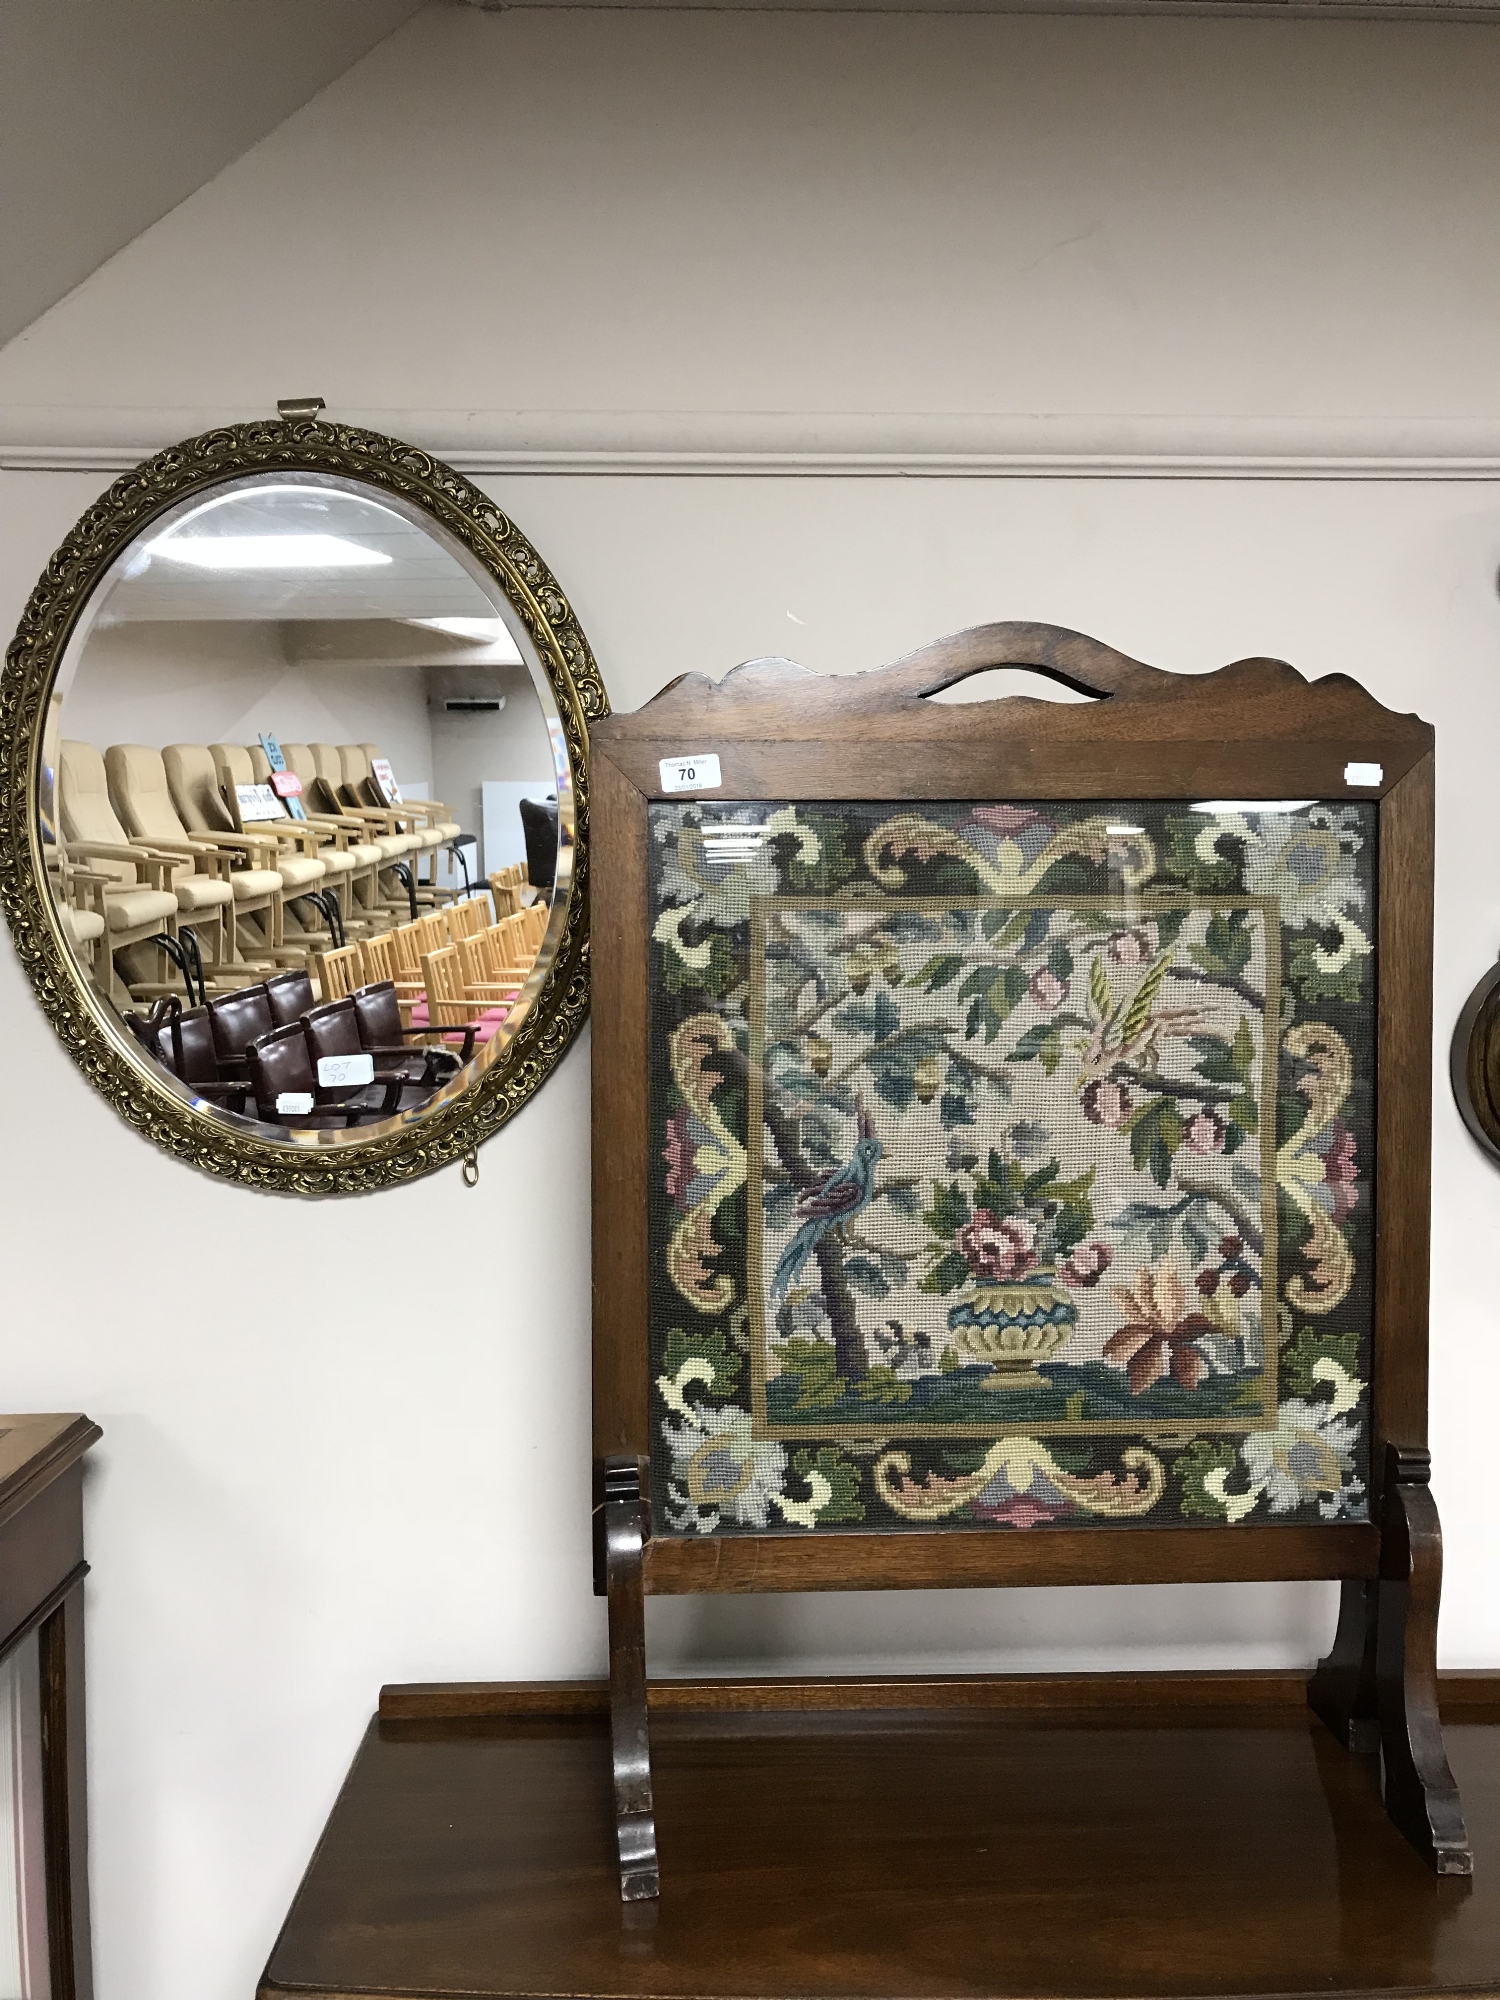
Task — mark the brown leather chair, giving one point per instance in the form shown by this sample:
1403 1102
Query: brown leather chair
182 1041
238 1019
281 1065
333 1030
290 995
377 1008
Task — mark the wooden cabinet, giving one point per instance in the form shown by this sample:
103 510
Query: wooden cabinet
44 1924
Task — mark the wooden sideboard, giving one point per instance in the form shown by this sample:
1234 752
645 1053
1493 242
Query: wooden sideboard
41 1656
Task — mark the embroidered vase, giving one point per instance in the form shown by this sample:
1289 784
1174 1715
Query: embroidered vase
1014 1325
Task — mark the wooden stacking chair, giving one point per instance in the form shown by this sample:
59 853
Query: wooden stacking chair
467 918
500 952
454 1000
339 972
482 977
381 965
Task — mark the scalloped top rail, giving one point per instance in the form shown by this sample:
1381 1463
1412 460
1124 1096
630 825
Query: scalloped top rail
1250 700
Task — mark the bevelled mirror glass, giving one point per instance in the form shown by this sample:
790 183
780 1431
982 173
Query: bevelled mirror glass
304 728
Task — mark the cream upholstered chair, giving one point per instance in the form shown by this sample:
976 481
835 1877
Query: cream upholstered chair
78 898
138 903
303 872
352 861
401 851
384 821
384 828
194 786
425 820
200 879
361 757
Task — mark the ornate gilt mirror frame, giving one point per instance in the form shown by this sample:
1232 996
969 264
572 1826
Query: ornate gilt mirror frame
145 1096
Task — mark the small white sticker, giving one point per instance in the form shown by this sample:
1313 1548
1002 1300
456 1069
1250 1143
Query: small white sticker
336 1072
690 774
290 1102
1364 774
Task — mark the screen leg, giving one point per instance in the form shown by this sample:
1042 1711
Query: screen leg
630 1732
1342 1689
1420 1793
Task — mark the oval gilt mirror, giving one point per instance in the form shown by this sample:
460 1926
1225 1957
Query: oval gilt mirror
295 844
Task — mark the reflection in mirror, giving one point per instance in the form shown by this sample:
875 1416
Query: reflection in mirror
305 807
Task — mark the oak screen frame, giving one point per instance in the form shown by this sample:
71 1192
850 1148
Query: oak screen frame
158 1106
1254 729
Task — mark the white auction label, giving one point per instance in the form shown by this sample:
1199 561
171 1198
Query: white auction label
1363 774
290 1102
690 774
336 1072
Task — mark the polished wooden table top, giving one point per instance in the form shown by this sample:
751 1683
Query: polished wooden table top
955 1851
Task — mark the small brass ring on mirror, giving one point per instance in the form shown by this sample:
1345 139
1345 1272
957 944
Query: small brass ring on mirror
545 1013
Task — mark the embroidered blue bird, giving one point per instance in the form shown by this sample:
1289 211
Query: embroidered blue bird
841 1195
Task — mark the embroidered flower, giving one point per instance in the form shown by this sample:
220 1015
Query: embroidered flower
1020 1511
1205 1132
1046 989
1128 948
997 1249
680 1154
1341 1170
1086 1266
1308 1456
1158 1338
1004 819
720 1468
1106 1103
1307 862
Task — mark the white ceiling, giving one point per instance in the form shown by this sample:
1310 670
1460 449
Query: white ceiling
113 111
415 577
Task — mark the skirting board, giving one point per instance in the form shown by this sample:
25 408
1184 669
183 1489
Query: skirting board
1465 1696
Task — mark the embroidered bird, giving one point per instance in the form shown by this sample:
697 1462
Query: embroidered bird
842 1194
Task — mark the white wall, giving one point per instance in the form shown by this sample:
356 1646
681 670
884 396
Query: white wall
1149 228
162 682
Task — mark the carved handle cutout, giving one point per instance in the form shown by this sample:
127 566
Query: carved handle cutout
1068 659
1004 683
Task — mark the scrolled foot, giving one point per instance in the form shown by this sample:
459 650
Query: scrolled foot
1420 1793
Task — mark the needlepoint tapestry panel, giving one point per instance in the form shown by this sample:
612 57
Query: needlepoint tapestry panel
1011 1164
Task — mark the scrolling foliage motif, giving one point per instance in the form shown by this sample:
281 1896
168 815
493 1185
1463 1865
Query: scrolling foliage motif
449 1130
